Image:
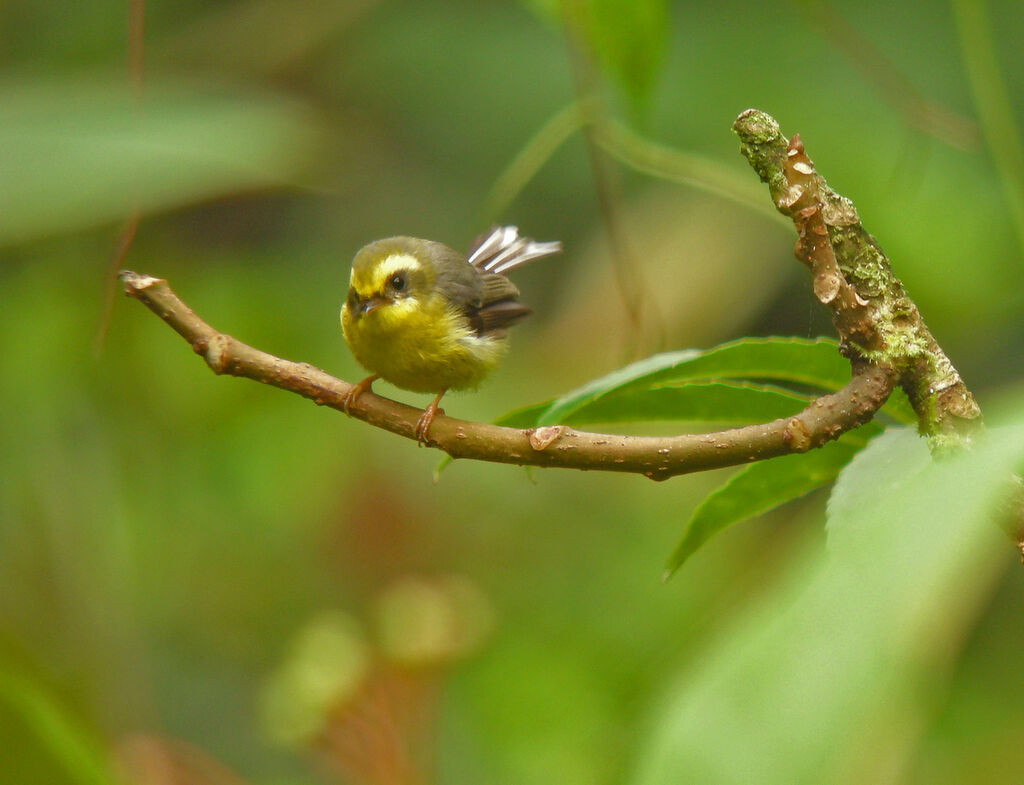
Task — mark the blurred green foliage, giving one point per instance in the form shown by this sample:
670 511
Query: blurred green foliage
169 540
892 598
627 36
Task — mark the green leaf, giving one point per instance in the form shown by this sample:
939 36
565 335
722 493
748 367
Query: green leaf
733 403
78 153
831 674
765 485
815 363
796 360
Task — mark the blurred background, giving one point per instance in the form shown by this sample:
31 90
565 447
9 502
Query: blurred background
203 580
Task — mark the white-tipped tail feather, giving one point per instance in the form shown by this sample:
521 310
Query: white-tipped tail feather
503 249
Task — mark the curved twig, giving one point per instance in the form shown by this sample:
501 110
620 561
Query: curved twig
659 458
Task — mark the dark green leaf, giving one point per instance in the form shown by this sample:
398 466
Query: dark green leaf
779 359
815 363
732 403
765 485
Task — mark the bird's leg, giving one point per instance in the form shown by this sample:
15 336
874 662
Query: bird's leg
425 420
355 391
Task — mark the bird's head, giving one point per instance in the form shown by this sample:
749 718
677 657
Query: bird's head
395 275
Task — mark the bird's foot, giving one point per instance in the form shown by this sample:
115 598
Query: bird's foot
426 419
355 391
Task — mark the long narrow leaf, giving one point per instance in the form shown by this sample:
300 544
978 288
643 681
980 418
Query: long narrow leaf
764 486
815 363
731 403
793 360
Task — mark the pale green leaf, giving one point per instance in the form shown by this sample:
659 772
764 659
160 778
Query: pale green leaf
830 675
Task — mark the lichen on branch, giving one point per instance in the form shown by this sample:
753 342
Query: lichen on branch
875 319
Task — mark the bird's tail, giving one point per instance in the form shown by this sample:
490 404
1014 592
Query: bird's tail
502 249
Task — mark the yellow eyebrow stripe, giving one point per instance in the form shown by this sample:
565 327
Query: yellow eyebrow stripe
397 263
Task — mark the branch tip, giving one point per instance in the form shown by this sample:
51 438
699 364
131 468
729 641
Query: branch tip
756 127
136 282
875 319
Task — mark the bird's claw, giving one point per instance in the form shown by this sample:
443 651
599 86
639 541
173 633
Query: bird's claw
355 391
426 419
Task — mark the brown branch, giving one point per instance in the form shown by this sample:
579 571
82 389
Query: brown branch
876 320
873 315
659 458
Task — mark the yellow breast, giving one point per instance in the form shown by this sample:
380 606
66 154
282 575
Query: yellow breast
420 346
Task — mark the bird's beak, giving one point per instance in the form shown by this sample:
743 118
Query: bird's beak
370 304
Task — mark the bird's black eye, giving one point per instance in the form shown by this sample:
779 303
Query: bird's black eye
398 282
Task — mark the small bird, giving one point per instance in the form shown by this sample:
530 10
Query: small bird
429 319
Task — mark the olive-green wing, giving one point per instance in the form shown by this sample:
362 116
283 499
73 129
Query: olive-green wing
500 307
